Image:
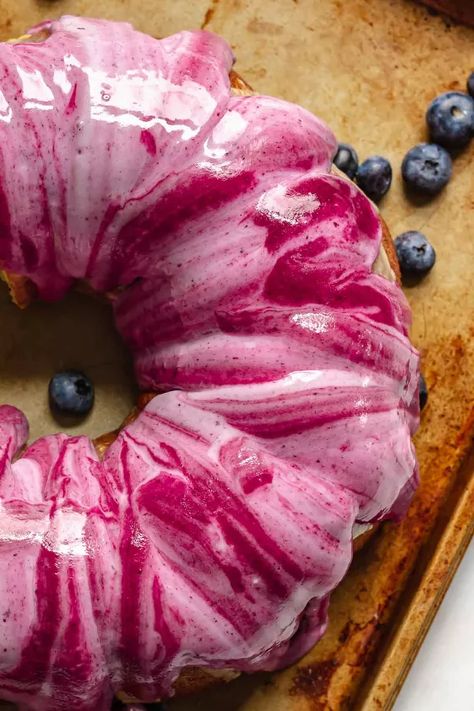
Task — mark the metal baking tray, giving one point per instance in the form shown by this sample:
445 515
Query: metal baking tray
369 68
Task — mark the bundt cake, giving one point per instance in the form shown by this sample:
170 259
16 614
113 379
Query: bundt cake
252 287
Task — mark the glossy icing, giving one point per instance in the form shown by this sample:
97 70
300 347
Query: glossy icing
214 529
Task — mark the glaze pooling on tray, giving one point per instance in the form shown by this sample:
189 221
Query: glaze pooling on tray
217 524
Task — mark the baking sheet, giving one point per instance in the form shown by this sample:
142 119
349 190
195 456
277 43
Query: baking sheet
369 67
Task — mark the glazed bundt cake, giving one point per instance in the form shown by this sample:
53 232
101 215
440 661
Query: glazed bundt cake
253 290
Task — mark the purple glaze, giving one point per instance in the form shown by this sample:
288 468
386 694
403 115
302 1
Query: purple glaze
219 522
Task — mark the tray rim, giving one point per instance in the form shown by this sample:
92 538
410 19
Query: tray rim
415 619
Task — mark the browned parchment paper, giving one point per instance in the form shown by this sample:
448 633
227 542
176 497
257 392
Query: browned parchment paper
369 67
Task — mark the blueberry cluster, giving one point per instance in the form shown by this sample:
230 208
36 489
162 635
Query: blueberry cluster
426 169
373 176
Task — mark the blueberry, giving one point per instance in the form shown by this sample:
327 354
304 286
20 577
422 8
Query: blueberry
450 119
416 255
374 177
347 160
427 168
470 84
423 392
71 393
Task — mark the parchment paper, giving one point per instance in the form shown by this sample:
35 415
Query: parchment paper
369 67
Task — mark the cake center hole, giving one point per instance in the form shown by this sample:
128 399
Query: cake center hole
77 333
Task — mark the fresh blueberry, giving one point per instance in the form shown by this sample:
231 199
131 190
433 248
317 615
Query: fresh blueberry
416 255
71 393
423 392
470 84
427 168
450 119
374 177
347 160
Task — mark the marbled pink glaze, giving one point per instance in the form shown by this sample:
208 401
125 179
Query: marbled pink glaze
218 523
